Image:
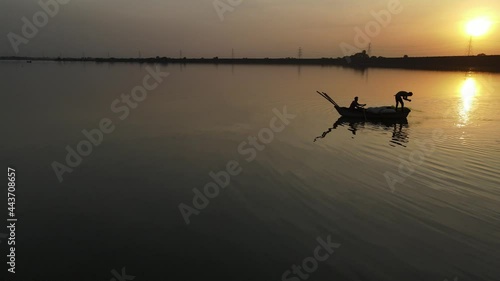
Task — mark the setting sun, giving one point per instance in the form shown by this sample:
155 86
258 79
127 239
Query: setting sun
478 27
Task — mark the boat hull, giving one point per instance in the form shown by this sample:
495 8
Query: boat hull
364 114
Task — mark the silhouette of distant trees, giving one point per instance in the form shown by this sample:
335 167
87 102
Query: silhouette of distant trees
361 60
360 57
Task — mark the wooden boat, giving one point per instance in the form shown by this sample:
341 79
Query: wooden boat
384 112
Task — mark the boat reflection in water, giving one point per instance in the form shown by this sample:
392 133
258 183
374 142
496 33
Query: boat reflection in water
397 126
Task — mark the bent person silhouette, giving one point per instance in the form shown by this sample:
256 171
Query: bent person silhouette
400 96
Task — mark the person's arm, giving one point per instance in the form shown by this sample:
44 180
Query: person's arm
406 98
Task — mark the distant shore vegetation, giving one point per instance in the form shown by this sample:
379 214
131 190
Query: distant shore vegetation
361 60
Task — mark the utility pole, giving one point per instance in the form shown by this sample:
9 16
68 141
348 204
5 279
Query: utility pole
300 52
370 49
469 51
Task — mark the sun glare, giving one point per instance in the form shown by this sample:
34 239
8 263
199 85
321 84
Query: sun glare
478 27
468 93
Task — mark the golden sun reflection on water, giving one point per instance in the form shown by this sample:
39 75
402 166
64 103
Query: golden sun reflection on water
468 93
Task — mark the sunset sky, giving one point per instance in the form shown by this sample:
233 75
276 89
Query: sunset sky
254 28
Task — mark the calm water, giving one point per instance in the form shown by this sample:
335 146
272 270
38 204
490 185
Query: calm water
120 207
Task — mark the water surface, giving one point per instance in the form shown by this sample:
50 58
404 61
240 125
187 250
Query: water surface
120 207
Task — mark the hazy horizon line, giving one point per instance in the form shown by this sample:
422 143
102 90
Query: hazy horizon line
234 58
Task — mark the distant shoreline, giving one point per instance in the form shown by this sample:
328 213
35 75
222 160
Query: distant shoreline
481 63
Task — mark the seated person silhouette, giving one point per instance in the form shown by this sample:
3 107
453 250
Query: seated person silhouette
355 105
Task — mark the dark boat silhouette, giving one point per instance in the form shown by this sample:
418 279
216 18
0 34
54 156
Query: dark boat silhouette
383 112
